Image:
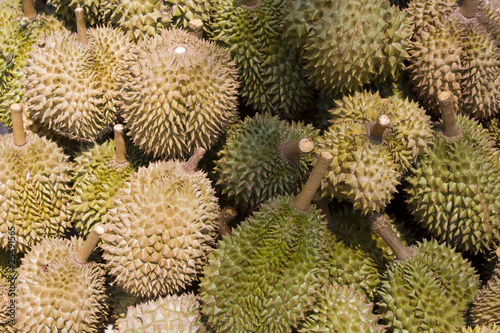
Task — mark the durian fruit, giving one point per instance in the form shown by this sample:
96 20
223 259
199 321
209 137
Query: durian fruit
35 178
169 314
58 290
266 275
98 175
263 157
427 289
369 158
272 79
481 329
162 226
450 51
346 44
96 12
488 14
341 309
454 191
8 275
180 94
485 308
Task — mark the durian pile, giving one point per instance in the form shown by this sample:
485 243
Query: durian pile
250 166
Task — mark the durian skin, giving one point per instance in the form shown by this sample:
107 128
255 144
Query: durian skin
363 171
489 16
272 79
267 274
162 226
35 190
97 177
169 314
427 292
454 190
57 294
346 44
96 12
480 329
174 103
485 308
251 168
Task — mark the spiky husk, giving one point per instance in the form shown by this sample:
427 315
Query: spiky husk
95 12
54 293
365 171
268 273
97 178
272 79
341 309
251 167
162 227
169 314
454 190
488 15
486 303
428 291
173 102
62 89
346 44
481 329
35 191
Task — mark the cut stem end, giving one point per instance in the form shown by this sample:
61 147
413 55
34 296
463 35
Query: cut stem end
83 254
16 111
293 150
448 113
196 28
121 150
377 128
80 26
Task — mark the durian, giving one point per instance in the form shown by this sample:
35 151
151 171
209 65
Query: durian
96 12
162 226
454 191
488 15
262 159
35 176
480 329
266 275
346 44
486 303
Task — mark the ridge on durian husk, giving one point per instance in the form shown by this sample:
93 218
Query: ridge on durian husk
96 12
169 314
251 167
429 291
162 226
364 171
180 95
268 271
346 44
35 190
459 203
341 309
55 293
480 329
485 308
272 79
96 179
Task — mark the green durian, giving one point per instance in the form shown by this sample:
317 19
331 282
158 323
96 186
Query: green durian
181 94
252 167
169 314
485 308
346 44
427 292
454 191
58 293
162 226
96 12
481 329
366 170
272 79
341 309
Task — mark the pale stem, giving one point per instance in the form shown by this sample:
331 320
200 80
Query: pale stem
379 126
293 150
121 151
83 254
193 161
302 201
448 113
16 111
80 26
468 8
380 225
227 215
196 28
29 10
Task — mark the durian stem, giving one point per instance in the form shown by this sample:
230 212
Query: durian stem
322 204
16 111
377 128
121 151
468 8
302 201
292 150
83 254
80 26
193 161
227 215
379 224
196 28
251 4
447 107
29 10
